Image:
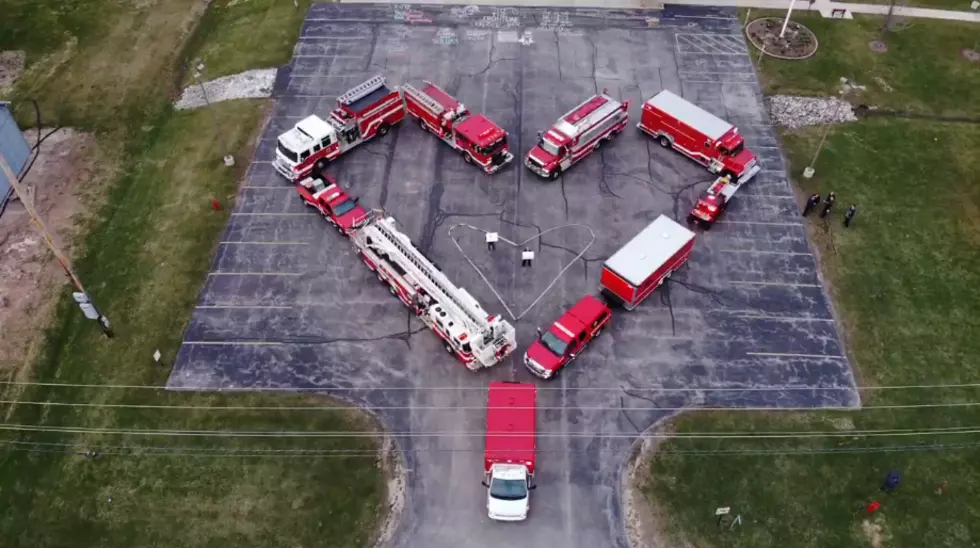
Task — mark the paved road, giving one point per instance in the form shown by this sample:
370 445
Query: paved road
287 303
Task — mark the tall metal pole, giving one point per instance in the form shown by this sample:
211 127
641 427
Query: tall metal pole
786 22
826 132
28 204
198 72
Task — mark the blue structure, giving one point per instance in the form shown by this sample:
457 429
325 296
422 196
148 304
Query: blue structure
14 150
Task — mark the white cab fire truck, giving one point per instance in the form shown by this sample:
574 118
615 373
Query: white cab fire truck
699 135
364 112
478 339
577 134
712 203
478 139
509 454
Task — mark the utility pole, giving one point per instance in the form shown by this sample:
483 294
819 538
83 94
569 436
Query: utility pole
198 73
786 22
810 169
81 297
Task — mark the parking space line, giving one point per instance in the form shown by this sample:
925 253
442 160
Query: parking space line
754 252
785 284
727 222
241 306
269 161
265 243
222 273
238 343
297 214
785 355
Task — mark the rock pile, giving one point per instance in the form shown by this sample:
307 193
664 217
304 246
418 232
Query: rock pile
250 84
795 112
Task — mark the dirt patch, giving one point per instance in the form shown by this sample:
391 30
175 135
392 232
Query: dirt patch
62 186
644 520
393 469
874 532
11 67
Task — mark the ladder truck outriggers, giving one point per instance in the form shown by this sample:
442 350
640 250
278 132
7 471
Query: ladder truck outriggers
366 111
577 134
476 338
479 140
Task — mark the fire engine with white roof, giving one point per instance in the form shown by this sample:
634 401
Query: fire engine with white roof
479 140
366 111
577 134
476 338
699 135
339 208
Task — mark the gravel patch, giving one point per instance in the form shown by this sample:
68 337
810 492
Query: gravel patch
251 84
11 67
795 112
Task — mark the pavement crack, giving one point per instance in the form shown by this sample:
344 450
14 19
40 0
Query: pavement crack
665 300
563 195
558 56
622 409
603 184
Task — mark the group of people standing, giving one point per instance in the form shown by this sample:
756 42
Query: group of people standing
828 204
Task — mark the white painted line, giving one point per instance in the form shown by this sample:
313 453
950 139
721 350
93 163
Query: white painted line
303 214
754 252
264 243
726 72
241 306
216 273
264 161
752 316
784 284
233 343
686 81
727 222
784 355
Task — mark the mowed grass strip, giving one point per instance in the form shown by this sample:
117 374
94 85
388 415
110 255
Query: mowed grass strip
922 71
904 278
144 259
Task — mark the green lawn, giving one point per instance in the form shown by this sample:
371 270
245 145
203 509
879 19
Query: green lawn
904 280
921 71
144 258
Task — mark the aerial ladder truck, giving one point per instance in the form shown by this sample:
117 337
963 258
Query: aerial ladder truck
476 338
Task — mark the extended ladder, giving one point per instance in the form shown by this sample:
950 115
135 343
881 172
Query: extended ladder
438 285
361 90
423 98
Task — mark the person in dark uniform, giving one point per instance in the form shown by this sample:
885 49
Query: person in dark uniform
849 215
811 203
827 204
892 479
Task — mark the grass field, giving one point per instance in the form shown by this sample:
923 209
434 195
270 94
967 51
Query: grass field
921 59
144 258
904 280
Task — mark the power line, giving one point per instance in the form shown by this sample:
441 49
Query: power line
179 451
218 389
283 434
469 407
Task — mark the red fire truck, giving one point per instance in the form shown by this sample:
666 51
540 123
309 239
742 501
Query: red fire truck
340 209
476 338
640 266
577 134
699 135
478 139
364 112
712 203
568 336
508 459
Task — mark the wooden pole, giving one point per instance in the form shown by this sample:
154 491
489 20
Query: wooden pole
65 263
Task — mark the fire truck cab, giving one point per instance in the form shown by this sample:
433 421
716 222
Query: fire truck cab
366 111
568 336
712 203
340 209
577 134
479 140
699 135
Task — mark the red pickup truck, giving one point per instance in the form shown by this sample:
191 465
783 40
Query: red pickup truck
568 336
323 194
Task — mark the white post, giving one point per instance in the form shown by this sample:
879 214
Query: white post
786 22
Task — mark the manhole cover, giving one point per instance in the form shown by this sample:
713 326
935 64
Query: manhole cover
878 46
970 54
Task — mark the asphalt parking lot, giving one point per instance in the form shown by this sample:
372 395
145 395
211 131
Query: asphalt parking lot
288 304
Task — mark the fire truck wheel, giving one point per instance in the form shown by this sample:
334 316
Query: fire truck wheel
664 141
555 174
320 165
383 129
597 333
449 349
467 157
422 125
393 291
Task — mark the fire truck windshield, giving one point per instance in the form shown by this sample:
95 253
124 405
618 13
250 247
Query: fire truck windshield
738 148
492 147
508 489
287 153
553 343
344 207
548 146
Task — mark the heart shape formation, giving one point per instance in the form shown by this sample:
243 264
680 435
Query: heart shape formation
519 245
